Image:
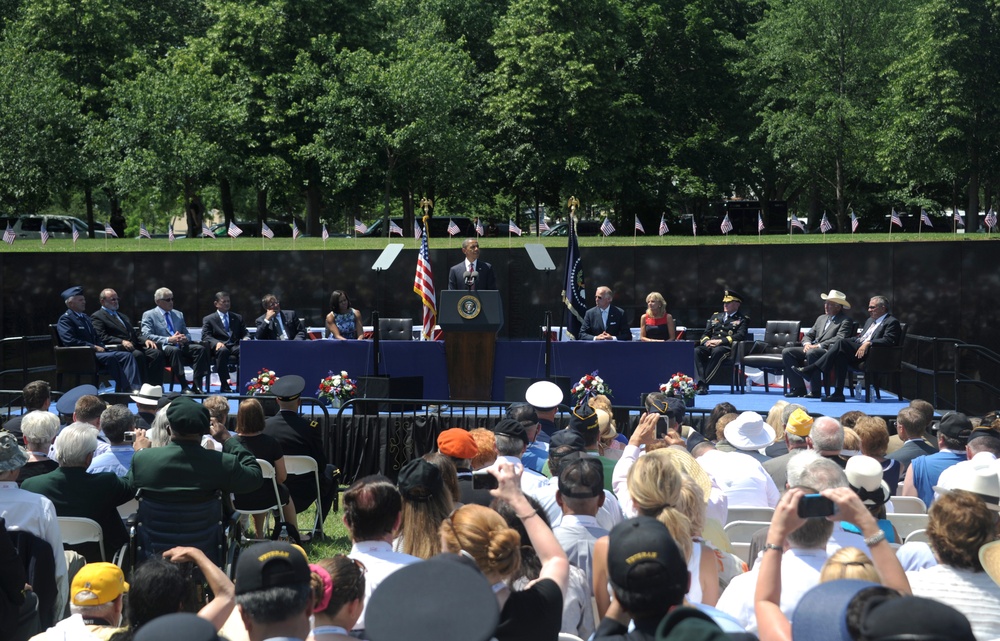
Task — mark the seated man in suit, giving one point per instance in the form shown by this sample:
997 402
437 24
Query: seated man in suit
480 273
221 333
723 330
881 329
604 322
76 330
166 327
276 324
116 332
829 326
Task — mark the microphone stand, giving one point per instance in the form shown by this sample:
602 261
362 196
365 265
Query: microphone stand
548 345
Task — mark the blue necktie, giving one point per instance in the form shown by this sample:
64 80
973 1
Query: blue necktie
225 322
281 325
170 323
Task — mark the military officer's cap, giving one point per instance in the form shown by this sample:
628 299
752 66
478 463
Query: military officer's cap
76 290
289 388
731 295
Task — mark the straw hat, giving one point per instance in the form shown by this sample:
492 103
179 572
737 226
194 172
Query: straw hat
836 296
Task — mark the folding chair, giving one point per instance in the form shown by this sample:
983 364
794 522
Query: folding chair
740 534
750 514
906 524
919 536
268 472
908 505
302 464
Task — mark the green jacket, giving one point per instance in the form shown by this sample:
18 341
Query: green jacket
183 472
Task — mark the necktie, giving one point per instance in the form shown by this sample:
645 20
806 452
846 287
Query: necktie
281 326
170 322
225 322
868 332
604 318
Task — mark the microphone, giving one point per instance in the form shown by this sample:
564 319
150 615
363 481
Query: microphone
470 278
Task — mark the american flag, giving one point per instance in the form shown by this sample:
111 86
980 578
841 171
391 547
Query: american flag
143 232
170 234
45 233
360 227
8 236
727 225
894 219
265 231
395 229
295 231
326 234
925 219
423 286
479 228
512 228
991 219
233 230
959 219
417 233
854 223
638 225
797 223
663 224
760 223
76 235
606 227
542 225
109 231
824 225
694 227
205 231
452 228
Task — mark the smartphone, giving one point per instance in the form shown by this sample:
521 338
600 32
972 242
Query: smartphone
814 506
129 437
484 481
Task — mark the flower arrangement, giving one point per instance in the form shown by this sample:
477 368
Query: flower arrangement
262 382
590 385
679 385
336 388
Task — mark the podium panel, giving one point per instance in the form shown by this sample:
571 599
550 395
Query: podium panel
470 321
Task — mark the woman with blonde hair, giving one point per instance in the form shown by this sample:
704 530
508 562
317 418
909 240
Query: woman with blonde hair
656 325
479 532
703 562
426 503
849 563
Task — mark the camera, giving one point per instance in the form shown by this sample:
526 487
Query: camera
129 437
483 480
814 506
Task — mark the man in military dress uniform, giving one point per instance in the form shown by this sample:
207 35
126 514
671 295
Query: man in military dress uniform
299 437
723 330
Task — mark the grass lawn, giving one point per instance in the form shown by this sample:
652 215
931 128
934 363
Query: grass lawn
317 244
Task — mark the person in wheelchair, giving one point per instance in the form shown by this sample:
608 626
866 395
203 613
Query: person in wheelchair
184 471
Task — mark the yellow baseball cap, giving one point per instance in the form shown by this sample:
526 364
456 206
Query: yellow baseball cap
97 584
799 423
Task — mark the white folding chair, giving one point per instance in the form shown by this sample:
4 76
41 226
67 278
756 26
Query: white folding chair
750 514
740 534
906 524
919 536
302 464
77 530
267 471
908 505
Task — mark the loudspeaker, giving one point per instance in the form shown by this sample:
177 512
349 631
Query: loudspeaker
514 387
379 387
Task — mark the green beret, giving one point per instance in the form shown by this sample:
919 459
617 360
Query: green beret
187 416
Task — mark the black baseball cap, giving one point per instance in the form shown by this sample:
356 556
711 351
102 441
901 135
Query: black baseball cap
512 428
643 557
271 564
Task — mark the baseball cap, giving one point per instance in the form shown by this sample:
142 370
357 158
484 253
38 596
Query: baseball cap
419 480
271 564
583 418
799 423
915 619
512 428
955 425
643 557
97 584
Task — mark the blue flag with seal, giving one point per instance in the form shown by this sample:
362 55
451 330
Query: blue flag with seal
574 296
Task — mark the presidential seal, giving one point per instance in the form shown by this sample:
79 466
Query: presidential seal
469 307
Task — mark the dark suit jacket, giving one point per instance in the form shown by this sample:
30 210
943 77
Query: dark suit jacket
840 327
75 331
911 450
269 330
187 472
74 492
593 326
213 331
111 332
487 277
888 333
298 437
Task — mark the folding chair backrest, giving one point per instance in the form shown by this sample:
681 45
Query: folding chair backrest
919 536
161 526
907 523
268 472
750 514
301 464
908 505
741 533
77 529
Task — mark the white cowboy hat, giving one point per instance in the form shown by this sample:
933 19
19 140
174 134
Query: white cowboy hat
865 476
748 431
977 475
148 394
836 296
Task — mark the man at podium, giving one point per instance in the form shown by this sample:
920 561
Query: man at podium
472 274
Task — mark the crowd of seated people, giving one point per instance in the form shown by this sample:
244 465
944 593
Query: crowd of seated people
633 547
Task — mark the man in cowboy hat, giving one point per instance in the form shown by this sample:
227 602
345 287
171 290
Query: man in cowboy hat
723 330
146 404
832 324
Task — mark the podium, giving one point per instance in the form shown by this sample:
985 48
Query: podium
470 321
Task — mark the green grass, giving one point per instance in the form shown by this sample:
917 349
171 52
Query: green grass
317 244
336 540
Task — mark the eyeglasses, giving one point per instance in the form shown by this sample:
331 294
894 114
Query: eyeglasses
873 307
169 300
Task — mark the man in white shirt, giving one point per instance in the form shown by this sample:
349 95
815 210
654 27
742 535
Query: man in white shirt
741 477
372 511
30 512
472 273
